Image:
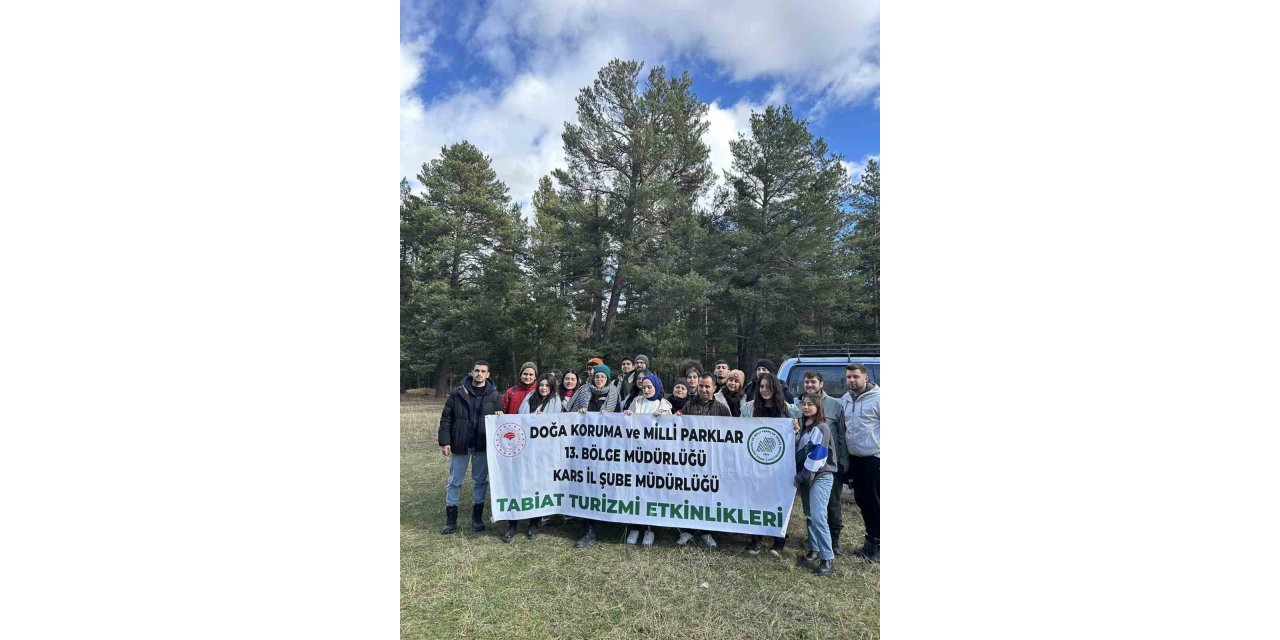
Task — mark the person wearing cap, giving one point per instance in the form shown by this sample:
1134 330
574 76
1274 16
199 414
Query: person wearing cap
731 393
514 396
649 401
602 397
764 366
599 395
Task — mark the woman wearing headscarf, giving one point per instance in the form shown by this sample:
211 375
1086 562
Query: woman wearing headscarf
650 401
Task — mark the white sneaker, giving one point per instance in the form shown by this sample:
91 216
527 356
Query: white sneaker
632 536
709 541
684 538
648 537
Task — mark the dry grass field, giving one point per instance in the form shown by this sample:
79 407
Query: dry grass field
471 585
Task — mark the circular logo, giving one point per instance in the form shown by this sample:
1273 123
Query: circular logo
509 439
766 445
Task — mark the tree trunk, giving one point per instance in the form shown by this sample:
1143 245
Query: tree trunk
442 379
614 294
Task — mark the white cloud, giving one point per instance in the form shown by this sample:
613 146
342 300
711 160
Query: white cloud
545 51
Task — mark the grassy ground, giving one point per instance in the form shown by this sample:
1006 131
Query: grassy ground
471 585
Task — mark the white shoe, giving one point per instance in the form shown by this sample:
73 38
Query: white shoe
709 541
684 538
632 536
648 537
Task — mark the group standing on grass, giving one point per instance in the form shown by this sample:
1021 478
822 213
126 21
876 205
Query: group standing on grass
837 439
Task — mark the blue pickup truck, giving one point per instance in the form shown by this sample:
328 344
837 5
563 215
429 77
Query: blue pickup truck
830 360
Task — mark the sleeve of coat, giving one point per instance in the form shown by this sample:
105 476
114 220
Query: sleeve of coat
446 422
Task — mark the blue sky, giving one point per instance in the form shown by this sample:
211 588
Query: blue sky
504 74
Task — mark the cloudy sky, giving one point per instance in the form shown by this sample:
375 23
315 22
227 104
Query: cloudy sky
504 74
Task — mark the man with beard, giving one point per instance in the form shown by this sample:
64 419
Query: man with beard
721 371
861 407
704 404
462 435
625 383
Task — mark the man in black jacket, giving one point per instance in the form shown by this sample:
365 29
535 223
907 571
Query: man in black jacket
461 436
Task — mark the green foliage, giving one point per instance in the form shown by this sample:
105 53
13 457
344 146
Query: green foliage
625 253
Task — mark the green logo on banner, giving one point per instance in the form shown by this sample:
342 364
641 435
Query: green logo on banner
766 445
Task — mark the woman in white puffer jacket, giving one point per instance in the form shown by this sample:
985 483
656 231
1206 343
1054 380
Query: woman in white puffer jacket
649 400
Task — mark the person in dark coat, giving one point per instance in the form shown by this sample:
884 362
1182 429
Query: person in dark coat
462 435
762 367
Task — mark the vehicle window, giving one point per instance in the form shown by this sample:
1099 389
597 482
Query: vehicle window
832 378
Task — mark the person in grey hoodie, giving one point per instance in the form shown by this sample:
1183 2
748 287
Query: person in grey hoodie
861 407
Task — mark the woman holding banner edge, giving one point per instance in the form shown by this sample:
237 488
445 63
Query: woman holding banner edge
649 400
601 397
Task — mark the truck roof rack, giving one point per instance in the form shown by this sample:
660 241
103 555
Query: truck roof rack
837 350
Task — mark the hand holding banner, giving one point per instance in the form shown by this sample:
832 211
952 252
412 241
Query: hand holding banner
696 472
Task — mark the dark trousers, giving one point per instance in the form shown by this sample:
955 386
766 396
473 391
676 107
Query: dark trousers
864 475
835 521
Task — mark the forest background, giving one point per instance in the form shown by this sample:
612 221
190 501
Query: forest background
634 247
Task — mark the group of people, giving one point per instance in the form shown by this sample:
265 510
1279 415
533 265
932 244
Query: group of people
837 439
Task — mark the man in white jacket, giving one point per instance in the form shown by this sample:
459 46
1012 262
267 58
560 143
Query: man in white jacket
861 407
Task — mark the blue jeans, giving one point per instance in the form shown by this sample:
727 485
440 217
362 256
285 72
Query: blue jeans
458 473
819 535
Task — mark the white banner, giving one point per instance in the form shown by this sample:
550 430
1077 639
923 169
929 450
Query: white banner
693 472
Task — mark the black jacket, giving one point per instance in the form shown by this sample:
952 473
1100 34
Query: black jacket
462 422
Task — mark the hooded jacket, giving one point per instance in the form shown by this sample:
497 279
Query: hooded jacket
862 421
462 421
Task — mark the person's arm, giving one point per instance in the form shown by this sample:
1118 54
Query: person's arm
446 427
610 402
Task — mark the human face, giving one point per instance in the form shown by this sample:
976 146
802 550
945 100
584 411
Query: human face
641 366
808 408
761 370
527 376
600 379
646 387
544 389
680 392
692 379
706 389
855 380
570 380
627 366
722 370
732 385
812 385
479 374
766 391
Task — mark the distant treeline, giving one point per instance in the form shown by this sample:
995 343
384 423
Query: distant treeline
632 249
